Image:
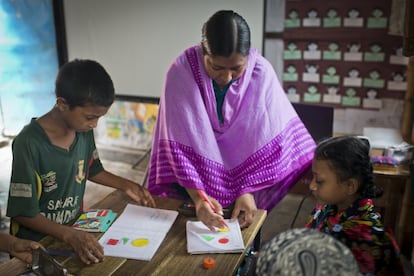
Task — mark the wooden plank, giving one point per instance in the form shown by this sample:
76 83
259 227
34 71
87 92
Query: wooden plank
13 267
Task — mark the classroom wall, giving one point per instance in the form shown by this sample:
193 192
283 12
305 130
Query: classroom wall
348 119
136 40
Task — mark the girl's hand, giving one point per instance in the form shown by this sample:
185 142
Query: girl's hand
85 245
244 209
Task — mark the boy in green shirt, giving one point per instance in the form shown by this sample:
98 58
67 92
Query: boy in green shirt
55 154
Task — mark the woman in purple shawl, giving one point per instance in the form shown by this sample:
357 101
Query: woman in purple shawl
225 126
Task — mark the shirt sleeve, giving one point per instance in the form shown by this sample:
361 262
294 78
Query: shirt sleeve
25 182
95 165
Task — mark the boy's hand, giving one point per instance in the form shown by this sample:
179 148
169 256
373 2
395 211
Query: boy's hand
141 195
135 191
85 245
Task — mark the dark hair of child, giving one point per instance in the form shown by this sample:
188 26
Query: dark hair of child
349 157
84 82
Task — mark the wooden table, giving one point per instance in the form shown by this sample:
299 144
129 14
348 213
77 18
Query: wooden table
170 259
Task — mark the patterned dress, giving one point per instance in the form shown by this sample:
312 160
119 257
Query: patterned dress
359 227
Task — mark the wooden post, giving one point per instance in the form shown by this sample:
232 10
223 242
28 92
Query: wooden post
408 113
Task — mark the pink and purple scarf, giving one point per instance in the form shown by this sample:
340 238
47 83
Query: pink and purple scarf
262 146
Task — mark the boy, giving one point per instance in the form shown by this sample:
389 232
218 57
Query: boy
55 154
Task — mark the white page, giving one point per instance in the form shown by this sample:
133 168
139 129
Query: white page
202 240
138 232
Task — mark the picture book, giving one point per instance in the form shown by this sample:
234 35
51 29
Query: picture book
96 220
201 240
138 232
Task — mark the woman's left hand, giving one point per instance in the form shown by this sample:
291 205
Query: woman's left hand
244 209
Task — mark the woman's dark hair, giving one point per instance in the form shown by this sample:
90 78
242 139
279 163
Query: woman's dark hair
225 33
84 82
349 157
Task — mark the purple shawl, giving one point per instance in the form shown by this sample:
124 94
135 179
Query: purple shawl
262 147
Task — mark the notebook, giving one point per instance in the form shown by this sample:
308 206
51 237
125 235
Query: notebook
138 232
96 220
201 240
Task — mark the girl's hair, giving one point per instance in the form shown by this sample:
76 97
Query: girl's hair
225 33
84 82
349 157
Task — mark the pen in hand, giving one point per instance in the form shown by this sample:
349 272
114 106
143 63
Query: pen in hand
206 199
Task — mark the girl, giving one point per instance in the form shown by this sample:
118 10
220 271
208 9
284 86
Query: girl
344 187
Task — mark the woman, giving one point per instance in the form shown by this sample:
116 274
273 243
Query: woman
226 127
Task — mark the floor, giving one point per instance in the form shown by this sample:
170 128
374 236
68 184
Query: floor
121 163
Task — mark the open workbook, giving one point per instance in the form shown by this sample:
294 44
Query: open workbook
138 232
201 240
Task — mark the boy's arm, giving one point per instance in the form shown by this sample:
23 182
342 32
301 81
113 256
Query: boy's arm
135 191
84 244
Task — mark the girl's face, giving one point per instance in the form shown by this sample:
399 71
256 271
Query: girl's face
225 69
328 189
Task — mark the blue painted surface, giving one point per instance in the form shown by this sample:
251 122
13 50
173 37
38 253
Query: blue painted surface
28 61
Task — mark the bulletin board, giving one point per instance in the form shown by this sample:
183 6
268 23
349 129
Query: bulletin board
129 123
340 53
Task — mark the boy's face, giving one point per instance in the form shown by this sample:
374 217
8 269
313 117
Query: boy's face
84 118
327 188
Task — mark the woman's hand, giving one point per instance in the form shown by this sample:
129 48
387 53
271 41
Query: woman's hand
138 193
85 245
244 209
207 215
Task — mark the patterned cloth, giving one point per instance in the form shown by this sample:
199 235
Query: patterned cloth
305 252
261 147
359 227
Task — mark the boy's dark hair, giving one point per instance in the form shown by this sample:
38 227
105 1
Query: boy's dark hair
84 82
349 157
225 33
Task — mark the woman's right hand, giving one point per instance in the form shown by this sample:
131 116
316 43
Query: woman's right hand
85 245
206 214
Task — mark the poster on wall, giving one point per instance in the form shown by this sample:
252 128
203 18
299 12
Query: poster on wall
342 55
127 124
